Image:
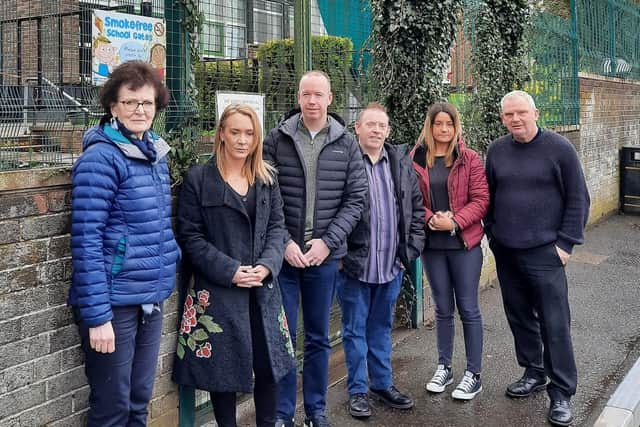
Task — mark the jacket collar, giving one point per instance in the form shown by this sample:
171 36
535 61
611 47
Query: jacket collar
289 125
216 192
106 134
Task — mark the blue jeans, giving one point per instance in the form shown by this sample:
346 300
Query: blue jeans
121 382
454 277
314 287
367 320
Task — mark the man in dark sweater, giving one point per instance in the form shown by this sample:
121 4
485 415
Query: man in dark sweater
538 210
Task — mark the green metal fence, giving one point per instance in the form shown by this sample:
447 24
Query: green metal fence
47 94
609 37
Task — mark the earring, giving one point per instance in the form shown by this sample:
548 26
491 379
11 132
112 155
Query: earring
114 122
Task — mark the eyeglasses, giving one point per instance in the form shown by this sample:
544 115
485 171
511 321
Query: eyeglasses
131 105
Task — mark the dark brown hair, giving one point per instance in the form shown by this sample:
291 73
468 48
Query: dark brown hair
426 136
133 75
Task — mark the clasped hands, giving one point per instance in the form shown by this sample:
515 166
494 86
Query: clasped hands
315 255
248 276
441 221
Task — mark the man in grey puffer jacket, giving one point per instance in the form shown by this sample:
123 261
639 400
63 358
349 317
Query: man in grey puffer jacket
323 185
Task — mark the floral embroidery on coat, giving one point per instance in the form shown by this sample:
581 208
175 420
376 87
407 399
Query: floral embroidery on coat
195 325
284 329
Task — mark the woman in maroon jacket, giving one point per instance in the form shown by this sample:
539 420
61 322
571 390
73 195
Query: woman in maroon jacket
456 198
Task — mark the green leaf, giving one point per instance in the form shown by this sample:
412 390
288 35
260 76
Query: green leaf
191 343
181 340
207 322
180 352
200 335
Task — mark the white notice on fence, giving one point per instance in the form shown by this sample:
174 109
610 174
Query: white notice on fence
253 100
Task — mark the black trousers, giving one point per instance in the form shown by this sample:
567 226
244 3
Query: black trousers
264 390
535 298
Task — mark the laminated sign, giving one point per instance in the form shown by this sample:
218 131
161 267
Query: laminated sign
120 37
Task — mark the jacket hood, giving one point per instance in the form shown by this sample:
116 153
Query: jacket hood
289 124
103 133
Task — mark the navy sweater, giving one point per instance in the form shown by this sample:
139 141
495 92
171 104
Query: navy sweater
538 192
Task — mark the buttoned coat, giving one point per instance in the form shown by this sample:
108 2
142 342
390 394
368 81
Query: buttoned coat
217 236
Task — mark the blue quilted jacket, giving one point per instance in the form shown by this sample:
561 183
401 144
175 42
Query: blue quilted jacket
123 248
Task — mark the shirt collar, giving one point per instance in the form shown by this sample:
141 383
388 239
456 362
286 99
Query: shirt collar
383 156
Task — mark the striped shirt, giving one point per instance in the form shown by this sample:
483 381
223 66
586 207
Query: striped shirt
382 264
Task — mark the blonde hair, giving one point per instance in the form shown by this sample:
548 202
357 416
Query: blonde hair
254 166
426 136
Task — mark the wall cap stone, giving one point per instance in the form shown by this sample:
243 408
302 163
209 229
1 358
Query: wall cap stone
590 76
34 178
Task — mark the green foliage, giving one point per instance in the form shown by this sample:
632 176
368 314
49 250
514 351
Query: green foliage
278 79
412 43
239 75
499 65
182 139
183 142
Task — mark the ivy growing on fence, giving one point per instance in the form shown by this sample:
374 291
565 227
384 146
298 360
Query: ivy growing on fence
499 64
183 139
412 42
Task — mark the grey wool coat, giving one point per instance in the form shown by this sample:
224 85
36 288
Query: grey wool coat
214 349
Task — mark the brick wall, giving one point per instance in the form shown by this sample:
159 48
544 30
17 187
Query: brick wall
609 119
42 377
19 40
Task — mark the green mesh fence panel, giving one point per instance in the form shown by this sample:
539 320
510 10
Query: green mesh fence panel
609 38
552 66
47 95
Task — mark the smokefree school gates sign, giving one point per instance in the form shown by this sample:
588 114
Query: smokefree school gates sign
120 37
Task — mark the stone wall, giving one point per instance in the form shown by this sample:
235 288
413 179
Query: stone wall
42 377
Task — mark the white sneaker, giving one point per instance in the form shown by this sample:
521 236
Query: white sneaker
441 378
469 386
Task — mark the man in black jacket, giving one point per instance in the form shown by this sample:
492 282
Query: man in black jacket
388 237
323 186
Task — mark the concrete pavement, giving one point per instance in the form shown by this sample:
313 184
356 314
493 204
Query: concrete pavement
604 287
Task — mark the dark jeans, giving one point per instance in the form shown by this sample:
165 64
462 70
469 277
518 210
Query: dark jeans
535 297
367 320
454 277
121 382
314 286
264 390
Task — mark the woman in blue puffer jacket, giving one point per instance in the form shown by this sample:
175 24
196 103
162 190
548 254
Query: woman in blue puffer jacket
123 247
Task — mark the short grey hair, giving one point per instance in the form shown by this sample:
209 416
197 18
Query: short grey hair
518 94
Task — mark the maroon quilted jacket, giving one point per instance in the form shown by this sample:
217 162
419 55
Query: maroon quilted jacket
468 191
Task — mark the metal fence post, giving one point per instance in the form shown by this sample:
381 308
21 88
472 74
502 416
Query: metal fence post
302 36
417 314
178 62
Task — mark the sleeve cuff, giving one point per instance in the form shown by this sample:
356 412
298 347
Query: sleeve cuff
565 245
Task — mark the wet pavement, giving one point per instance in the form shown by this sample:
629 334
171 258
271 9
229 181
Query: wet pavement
604 292
604 287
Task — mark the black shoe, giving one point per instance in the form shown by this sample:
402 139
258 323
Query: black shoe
317 421
285 423
560 413
525 386
393 398
359 405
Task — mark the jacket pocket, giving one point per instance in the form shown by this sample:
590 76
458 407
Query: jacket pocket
118 259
